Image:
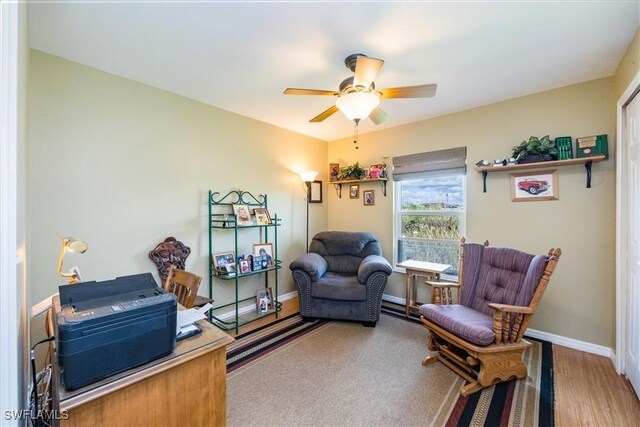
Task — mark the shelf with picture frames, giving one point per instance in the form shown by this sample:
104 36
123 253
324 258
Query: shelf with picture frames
338 184
222 219
586 161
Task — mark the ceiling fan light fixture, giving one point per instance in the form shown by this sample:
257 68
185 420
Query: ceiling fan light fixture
357 105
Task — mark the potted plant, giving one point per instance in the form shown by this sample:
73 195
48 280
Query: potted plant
535 150
355 171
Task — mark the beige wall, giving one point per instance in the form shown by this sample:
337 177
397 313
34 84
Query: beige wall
580 299
123 165
629 66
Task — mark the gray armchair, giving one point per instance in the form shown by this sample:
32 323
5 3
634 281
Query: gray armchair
342 277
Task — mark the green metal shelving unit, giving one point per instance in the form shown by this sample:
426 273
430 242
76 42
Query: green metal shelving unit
225 221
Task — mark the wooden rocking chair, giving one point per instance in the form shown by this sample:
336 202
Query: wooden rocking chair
481 337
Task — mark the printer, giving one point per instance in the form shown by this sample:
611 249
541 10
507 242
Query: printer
106 327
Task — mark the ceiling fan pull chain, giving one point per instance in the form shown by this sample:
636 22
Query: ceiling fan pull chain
355 132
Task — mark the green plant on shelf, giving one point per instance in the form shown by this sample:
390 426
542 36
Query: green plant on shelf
535 150
354 171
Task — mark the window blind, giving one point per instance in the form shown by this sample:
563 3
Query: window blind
421 165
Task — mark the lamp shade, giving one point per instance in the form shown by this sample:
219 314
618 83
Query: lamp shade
357 105
308 176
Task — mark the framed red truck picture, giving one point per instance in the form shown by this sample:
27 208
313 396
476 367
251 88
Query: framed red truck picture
532 186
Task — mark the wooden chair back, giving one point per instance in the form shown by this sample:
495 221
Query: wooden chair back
183 285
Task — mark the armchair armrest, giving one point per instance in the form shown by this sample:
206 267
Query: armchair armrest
312 264
370 265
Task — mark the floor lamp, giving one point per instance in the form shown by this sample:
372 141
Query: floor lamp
308 177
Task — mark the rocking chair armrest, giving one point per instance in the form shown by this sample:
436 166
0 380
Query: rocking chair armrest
511 308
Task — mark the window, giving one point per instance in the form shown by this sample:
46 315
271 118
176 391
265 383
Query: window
430 206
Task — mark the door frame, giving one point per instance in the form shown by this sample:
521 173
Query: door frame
622 226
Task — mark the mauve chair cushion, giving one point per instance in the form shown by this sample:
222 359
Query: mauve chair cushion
501 277
462 321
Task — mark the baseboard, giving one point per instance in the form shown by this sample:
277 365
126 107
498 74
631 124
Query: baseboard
571 343
553 338
252 307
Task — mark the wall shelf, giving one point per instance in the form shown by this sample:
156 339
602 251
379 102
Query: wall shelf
338 184
586 161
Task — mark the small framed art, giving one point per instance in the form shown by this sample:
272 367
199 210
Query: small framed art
262 216
315 192
264 250
243 214
529 187
354 191
368 198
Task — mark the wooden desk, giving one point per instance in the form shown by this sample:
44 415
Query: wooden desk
428 270
186 388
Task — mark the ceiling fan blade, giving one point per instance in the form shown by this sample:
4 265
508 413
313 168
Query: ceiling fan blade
378 116
296 91
326 113
367 70
421 91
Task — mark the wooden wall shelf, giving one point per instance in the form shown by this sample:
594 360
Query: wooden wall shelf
338 184
586 161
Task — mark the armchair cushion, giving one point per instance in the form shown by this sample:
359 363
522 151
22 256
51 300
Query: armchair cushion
339 287
465 322
313 264
371 264
344 251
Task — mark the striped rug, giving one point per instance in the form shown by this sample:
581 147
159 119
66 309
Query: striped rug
526 402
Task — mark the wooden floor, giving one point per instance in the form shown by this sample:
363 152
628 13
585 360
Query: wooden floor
588 392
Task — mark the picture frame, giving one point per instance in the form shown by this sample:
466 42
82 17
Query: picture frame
262 216
264 300
334 170
535 186
244 266
315 192
368 197
222 259
264 250
243 215
354 191
259 262
376 171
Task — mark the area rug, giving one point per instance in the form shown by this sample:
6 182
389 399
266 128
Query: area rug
341 373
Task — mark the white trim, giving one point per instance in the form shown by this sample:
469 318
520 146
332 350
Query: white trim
571 343
553 338
251 307
10 307
621 229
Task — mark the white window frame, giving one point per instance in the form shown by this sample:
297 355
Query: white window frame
398 214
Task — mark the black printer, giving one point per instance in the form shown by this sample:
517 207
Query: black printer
106 327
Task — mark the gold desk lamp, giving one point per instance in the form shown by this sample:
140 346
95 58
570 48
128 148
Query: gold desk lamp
71 245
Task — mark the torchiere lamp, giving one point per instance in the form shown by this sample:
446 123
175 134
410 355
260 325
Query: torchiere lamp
72 245
308 177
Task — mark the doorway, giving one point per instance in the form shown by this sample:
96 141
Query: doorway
628 236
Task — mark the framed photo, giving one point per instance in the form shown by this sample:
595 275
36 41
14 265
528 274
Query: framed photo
315 192
264 250
368 198
243 214
259 262
244 266
377 171
264 300
354 191
223 259
529 187
334 170
262 216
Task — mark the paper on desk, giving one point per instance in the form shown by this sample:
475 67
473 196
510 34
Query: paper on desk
186 318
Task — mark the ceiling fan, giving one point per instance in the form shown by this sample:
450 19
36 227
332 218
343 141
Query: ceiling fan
357 96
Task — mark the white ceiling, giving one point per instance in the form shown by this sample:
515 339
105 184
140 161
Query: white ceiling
241 56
